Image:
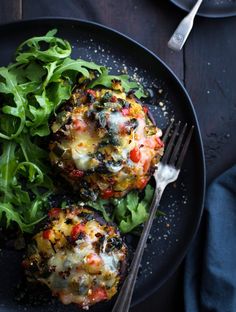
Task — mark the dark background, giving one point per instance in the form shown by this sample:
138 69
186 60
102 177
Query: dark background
206 66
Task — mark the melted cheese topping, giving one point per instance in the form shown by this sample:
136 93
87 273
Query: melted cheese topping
110 140
79 256
116 120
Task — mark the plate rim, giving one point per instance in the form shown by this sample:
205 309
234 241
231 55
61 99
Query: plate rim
202 164
210 15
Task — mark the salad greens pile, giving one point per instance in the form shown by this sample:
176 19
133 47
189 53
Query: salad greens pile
129 212
39 80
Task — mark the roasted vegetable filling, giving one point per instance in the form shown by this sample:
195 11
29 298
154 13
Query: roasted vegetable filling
79 256
104 143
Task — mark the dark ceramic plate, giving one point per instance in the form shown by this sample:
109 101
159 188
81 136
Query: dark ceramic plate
210 8
182 202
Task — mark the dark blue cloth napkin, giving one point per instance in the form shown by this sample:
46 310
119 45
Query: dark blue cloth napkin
210 270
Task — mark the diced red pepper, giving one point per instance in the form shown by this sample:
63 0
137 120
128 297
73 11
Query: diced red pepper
159 142
54 212
79 125
122 128
93 259
111 230
113 99
47 234
135 155
145 109
98 294
76 230
92 92
146 165
76 173
142 183
125 111
107 194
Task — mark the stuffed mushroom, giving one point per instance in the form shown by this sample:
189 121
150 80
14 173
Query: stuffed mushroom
79 256
104 142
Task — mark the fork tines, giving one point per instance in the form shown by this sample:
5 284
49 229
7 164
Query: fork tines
176 147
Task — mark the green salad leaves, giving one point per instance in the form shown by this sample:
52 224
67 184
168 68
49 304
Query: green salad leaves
105 79
128 212
39 80
37 83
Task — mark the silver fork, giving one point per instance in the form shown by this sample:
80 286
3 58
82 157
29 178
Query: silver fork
182 32
168 172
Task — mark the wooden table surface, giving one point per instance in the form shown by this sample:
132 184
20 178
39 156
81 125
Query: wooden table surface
206 67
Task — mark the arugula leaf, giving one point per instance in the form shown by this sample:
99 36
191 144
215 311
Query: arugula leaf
41 110
80 66
59 92
16 203
8 165
138 210
34 48
8 85
128 212
101 205
50 67
30 171
132 200
11 215
32 72
105 79
30 151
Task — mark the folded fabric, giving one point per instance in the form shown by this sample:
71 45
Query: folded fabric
210 267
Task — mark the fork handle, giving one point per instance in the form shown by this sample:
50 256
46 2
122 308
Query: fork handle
124 298
182 32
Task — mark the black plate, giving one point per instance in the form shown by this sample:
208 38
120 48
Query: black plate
182 202
210 8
